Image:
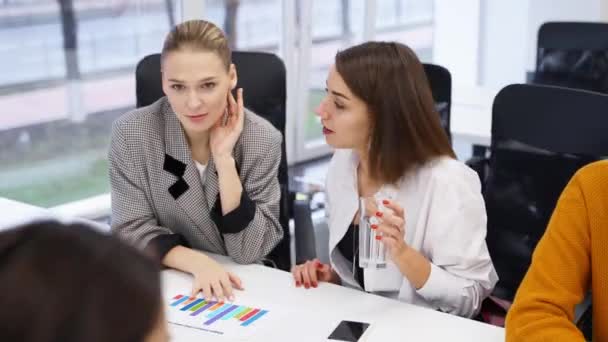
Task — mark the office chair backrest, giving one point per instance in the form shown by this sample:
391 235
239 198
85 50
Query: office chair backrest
573 54
541 135
440 81
262 77
148 84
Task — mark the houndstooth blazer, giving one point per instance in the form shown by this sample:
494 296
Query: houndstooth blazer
157 190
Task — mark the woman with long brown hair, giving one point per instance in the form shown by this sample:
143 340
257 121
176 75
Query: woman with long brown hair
427 209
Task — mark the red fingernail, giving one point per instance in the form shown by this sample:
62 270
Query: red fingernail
314 285
374 226
319 265
379 214
307 285
378 237
298 284
385 202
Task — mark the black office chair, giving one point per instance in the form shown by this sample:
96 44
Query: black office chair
541 135
585 323
262 76
573 55
440 81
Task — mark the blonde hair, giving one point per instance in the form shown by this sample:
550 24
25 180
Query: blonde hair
198 35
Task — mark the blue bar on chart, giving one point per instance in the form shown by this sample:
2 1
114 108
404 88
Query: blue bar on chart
233 313
179 299
194 303
254 318
221 314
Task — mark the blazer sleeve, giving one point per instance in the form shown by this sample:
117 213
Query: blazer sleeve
462 274
558 277
133 219
261 199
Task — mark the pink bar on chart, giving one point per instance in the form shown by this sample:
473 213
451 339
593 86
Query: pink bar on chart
249 315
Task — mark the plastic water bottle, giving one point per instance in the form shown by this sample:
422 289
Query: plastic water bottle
372 252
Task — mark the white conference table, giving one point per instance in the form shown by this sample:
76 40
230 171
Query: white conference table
311 315
302 315
14 213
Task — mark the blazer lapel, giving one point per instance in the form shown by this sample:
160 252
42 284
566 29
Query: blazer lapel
183 181
211 189
344 207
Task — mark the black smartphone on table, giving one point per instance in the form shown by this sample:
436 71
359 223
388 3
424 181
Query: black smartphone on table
348 331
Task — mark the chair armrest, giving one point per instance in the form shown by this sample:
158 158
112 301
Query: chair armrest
304 233
584 317
481 166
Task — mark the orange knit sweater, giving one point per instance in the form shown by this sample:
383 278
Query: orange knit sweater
570 259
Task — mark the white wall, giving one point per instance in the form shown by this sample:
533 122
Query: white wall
556 10
493 42
456 39
604 10
503 32
193 9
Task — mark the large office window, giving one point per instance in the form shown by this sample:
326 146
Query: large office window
337 24
407 21
251 25
322 27
67 72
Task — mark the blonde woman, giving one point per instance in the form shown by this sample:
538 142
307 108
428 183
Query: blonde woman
196 172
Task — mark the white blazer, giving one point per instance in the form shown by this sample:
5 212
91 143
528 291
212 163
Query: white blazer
445 221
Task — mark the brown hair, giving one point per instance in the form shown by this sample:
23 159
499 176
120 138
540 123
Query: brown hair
198 35
405 127
66 282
